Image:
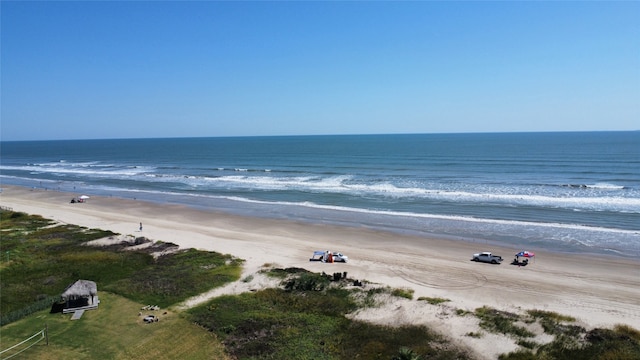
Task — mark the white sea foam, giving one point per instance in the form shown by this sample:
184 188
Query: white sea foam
605 186
600 197
435 216
84 168
344 185
337 208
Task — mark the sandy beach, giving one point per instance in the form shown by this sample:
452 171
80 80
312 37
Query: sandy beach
599 291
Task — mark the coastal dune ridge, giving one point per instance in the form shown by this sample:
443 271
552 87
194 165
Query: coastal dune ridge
598 290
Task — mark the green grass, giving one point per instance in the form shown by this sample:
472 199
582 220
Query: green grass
113 331
433 300
575 342
501 322
44 258
175 277
40 259
403 293
598 344
306 322
281 273
550 315
553 323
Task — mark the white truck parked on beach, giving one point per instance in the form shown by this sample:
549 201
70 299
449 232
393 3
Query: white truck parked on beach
487 257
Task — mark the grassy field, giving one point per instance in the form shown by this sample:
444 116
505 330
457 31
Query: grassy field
42 259
113 331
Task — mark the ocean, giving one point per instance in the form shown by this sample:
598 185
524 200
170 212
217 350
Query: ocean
566 192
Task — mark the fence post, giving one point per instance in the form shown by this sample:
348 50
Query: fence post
46 332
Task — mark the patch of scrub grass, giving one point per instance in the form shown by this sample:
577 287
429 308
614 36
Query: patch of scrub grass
307 281
550 315
403 293
627 331
369 297
282 273
501 322
433 300
521 354
474 334
113 331
621 342
304 322
527 344
175 277
552 323
574 342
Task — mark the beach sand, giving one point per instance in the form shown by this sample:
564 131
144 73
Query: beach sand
599 291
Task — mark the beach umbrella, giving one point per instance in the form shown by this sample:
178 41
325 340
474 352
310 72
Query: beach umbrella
526 254
84 197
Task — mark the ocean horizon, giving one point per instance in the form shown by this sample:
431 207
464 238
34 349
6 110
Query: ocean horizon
558 191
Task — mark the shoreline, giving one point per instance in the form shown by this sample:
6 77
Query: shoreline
598 290
551 236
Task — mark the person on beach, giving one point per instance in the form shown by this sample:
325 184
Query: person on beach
140 226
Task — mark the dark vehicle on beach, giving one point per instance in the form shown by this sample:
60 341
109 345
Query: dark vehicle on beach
487 257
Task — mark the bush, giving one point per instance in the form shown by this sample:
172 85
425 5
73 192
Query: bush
307 282
500 322
44 303
432 300
404 293
311 324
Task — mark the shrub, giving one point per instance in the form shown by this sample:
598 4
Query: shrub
550 322
432 300
44 302
406 353
527 344
519 355
307 282
405 293
628 331
551 315
500 322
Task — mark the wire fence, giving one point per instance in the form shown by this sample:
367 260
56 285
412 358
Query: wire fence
24 345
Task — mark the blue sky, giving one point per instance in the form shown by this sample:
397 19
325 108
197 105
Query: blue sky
84 70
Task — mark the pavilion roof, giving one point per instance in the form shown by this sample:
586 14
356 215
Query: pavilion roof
81 288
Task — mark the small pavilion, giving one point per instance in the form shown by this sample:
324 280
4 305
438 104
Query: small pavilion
81 295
